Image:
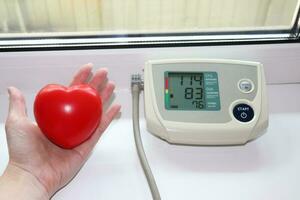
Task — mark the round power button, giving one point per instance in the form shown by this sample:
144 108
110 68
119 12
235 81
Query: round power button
243 112
246 86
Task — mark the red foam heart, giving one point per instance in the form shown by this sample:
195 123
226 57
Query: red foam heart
68 116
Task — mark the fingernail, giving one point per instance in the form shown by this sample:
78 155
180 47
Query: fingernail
112 83
90 64
9 90
105 71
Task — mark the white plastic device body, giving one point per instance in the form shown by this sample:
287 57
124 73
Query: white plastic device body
218 127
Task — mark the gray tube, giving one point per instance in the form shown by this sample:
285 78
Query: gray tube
139 145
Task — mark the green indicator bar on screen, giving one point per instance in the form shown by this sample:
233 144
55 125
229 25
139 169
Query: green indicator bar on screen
167 99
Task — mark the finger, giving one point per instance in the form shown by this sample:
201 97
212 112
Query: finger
99 78
82 75
105 122
17 107
107 92
85 148
108 117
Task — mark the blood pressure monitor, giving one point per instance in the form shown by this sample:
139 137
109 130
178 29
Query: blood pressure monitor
205 102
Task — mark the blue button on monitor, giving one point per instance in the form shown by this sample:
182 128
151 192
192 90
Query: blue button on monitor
243 112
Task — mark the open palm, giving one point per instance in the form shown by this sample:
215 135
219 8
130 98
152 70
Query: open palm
31 151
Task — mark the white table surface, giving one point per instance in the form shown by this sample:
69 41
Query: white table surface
265 169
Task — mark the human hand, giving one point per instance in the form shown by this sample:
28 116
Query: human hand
32 155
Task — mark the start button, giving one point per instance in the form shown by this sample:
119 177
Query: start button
243 112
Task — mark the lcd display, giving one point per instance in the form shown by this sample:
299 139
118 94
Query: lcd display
191 91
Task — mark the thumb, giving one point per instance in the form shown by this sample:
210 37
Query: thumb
17 107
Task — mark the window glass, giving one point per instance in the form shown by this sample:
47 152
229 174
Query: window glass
144 16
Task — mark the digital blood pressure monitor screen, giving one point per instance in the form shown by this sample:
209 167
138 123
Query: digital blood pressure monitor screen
192 91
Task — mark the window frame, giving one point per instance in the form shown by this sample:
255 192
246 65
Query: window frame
88 40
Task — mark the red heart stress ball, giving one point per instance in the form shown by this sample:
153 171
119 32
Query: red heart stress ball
68 116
